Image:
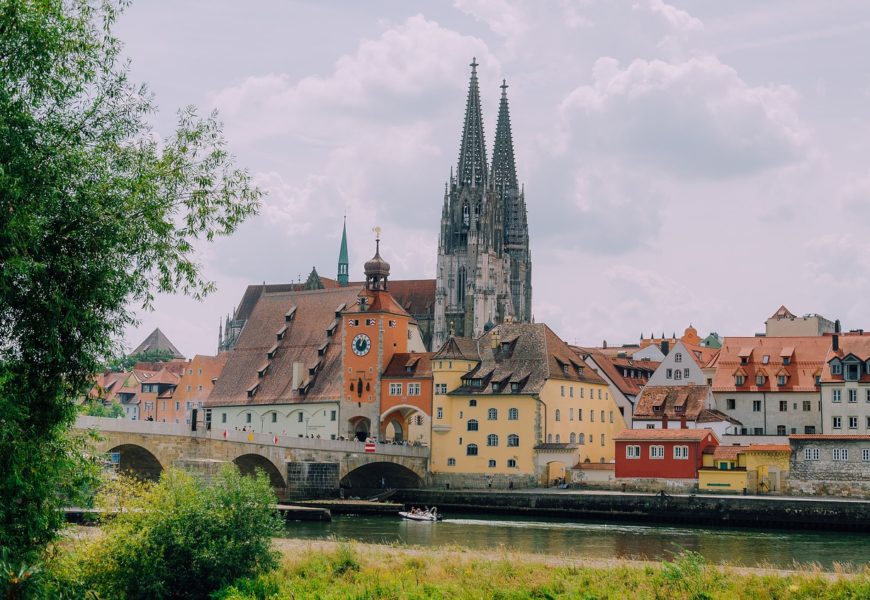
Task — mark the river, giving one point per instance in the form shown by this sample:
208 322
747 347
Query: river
541 535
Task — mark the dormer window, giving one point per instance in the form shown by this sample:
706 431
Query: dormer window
780 379
565 369
290 314
786 360
759 379
281 332
765 359
496 387
739 380
657 408
836 368
515 387
744 360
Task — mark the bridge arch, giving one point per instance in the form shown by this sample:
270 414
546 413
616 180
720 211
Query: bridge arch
249 464
370 475
138 461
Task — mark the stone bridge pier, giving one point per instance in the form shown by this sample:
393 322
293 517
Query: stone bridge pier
296 467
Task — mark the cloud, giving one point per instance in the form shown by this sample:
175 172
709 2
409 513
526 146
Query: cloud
676 18
695 118
505 18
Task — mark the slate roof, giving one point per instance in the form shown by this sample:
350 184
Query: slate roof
458 348
525 353
157 340
806 358
417 365
692 399
304 339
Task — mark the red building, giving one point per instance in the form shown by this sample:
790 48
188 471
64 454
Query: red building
662 453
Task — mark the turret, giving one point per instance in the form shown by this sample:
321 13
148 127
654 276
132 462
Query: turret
342 257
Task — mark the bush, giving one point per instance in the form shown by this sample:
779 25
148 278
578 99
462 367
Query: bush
183 537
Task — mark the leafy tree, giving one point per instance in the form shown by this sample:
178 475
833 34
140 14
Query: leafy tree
96 213
181 538
96 408
125 363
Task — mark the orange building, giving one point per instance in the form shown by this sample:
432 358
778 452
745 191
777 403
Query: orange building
194 386
406 398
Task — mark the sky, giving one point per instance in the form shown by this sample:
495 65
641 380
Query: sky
687 163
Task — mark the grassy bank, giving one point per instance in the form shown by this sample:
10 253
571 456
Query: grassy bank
339 570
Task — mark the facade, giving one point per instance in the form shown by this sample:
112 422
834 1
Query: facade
681 407
830 465
754 469
663 454
771 385
683 365
625 377
846 385
484 269
195 384
406 398
517 405
783 323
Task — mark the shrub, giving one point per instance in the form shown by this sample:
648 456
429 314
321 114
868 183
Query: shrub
182 537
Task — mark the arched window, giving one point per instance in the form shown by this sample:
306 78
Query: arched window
492 440
466 219
492 414
460 285
472 425
573 438
558 439
513 414
471 450
549 438
581 439
558 415
513 440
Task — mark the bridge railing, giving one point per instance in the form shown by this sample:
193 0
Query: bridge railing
246 437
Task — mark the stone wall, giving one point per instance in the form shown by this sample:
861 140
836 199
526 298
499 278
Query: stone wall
471 481
312 479
826 476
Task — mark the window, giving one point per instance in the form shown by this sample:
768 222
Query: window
300 416
581 439
669 373
632 452
190 387
836 369
739 380
562 390
558 439
333 415
492 414
274 417
549 438
836 395
780 380
558 415
678 374
678 357
808 405
756 406
451 462
413 389
223 417
513 440
395 389
599 393
418 420
247 417
853 422
865 454
868 395
783 405
656 451
579 414
492 440
472 402
440 388
513 414
840 454
199 388
765 359
730 403
681 452
686 373
591 416
602 441
570 414
571 391
759 379
572 438
811 454
809 429
177 405
512 463
439 413
780 430
837 422
602 416
786 360
853 396
471 450
611 416
491 463
472 425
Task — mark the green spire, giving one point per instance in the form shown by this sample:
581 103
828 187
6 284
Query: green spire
342 256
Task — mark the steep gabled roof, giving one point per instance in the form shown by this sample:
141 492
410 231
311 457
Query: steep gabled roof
675 401
614 366
410 364
746 356
157 340
458 348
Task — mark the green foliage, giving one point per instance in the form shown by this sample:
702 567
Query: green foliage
96 408
125 363
96 212
180 538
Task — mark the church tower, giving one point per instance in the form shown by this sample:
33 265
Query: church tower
342 257
474 277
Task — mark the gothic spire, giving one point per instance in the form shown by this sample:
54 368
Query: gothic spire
472 150
342 257
504 170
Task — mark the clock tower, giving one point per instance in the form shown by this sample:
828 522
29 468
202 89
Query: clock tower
374 329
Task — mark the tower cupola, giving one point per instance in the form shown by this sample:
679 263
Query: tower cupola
377 269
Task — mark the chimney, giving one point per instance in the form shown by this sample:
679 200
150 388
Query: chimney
665 421
835 343
604 344
683 424
298 370
666 347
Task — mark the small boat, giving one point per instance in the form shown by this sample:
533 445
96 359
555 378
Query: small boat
415 514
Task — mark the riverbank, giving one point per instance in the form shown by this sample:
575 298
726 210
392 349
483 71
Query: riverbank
702 509
329 569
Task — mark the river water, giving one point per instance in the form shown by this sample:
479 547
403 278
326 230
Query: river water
541 535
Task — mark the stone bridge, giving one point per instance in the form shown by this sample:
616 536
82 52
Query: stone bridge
297 467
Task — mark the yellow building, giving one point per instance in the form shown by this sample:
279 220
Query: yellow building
517 407
757 468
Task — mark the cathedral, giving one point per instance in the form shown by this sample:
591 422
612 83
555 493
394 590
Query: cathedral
484 269
484 272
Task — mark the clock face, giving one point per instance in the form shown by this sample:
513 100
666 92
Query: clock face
361 344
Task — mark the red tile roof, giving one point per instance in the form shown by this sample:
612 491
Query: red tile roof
855 344
417 365
691 399
614 366
805 363
654 435
768 448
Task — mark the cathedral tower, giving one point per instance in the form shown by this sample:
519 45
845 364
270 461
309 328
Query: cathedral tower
483 226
